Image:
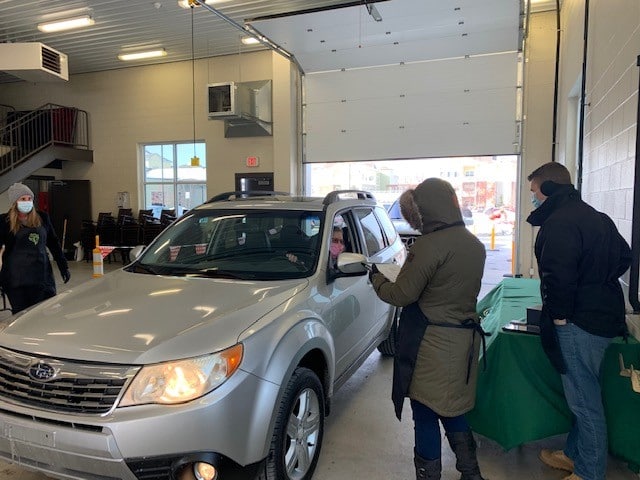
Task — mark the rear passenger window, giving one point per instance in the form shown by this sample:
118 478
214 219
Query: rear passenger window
373 236
387 226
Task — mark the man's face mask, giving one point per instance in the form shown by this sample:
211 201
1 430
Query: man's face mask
25 206
536 202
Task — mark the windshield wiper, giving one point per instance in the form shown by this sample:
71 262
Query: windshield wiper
138 268
212 273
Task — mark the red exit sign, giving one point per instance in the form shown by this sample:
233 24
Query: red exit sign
253 161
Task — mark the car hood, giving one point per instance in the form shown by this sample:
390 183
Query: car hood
134 318
403 227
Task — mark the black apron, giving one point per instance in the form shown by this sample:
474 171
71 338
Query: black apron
411 329
28 264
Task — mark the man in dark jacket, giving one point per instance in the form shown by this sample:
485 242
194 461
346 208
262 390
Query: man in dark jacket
581 257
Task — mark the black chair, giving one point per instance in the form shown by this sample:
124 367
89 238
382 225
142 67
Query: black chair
166 218
128 231
106 228
107 231
150 227
88 231
124 211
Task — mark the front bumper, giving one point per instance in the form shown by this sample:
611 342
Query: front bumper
231 422
170 467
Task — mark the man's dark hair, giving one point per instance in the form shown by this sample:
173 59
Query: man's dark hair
554 171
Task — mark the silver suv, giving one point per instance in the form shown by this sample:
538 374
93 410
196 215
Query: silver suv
215 354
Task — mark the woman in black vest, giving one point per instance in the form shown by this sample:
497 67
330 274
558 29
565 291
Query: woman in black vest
27 276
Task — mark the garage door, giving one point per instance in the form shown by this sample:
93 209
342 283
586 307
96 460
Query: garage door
406 78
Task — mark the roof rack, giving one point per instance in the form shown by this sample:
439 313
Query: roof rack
227 196
344 194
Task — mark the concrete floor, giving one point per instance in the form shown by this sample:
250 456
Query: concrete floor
364 440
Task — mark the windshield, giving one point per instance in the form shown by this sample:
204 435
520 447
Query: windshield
248 245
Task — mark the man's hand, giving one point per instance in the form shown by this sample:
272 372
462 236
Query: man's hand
66 275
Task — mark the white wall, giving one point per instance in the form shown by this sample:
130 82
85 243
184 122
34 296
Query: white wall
610 113
537 131
611 98
131 106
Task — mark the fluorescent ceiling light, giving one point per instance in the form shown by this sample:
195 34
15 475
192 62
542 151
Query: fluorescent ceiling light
125 57
68 24
249 40
185 3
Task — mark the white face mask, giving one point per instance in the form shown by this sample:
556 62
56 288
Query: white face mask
25 207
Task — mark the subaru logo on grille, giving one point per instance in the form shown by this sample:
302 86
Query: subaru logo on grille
42 372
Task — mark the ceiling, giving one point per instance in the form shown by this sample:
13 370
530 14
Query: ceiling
323 38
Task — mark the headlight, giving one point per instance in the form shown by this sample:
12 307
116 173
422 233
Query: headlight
183 380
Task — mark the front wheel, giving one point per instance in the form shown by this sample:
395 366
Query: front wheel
299 427
388 346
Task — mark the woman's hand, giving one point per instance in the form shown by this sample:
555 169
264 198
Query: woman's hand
66 276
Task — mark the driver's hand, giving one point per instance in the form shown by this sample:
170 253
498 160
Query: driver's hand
293 259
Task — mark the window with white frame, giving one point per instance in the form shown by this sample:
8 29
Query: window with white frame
175 176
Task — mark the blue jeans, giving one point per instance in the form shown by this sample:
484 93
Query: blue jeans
587 440
427 429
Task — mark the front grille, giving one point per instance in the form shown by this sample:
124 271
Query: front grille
75 387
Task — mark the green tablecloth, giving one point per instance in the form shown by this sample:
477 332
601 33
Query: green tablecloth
520 397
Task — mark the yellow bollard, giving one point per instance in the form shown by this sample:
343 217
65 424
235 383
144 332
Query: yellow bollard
493 237
98 265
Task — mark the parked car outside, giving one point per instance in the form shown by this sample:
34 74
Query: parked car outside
502 219
409 234
215 354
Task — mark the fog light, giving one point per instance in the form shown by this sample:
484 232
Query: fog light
204 471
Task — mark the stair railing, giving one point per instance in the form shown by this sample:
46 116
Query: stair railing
25 134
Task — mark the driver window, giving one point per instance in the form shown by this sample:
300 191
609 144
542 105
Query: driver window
371 231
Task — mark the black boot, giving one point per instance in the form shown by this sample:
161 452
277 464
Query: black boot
427 469
464 447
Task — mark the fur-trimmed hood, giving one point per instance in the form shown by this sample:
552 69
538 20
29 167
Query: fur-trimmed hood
438 204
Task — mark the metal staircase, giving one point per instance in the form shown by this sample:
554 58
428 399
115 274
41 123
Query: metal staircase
32 140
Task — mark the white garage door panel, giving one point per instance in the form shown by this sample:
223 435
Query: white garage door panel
410 30
412 111
433 78
349 54
455 107
441 140
477 73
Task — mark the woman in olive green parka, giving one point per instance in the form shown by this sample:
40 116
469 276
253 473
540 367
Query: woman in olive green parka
439 334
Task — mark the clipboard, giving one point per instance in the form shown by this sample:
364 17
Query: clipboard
521 327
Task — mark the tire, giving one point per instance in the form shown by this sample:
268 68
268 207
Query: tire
388 346
299 428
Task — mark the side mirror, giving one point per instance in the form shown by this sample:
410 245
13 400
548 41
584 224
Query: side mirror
135 252
352 263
